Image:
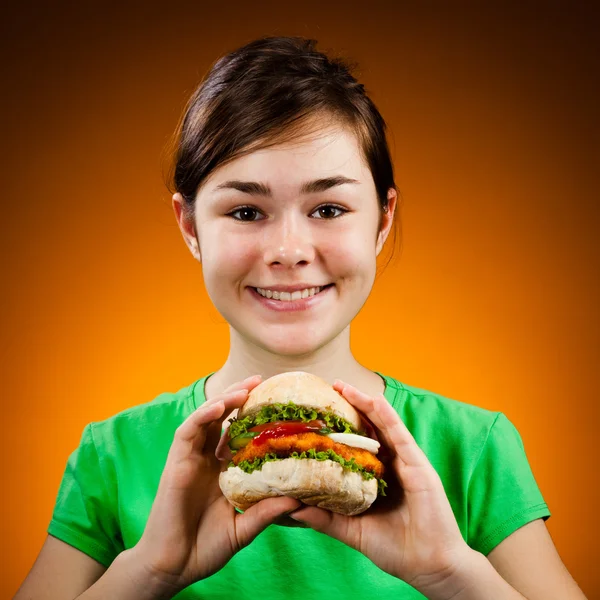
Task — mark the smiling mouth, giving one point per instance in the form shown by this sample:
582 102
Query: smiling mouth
292 296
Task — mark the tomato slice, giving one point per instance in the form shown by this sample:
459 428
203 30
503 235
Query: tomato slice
283 428
311 425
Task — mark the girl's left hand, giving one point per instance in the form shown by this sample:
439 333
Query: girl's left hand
411 533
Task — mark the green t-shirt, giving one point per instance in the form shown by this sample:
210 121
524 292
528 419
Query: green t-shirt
110 482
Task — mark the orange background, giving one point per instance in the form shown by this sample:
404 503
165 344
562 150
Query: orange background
493 299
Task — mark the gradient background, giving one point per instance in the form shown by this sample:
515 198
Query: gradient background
493 299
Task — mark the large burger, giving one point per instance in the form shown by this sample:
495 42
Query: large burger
296 436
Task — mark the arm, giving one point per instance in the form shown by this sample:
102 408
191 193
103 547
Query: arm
525 565
192 530
62 572
528 560
414 535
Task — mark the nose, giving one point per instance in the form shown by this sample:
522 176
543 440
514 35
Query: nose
288 242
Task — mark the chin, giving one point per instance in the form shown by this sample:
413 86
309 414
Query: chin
294 341
291 349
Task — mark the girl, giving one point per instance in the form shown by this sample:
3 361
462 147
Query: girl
284 192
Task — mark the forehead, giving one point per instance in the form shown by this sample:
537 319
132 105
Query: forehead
334 150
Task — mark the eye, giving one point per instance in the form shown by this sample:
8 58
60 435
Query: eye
246 213
327 211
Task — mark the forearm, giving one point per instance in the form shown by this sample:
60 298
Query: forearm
127 579
474 579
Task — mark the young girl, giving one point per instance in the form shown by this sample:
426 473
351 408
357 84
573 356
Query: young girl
285 195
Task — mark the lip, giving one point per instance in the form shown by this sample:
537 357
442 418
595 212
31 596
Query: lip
293 305
298 287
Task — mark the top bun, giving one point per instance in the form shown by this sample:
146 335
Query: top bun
303 389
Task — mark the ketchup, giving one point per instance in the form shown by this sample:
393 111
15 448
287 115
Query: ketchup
282 428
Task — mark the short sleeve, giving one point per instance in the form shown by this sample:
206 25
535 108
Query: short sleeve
502 494
85 512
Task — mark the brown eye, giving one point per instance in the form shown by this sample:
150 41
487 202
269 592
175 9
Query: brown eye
329 211
246 213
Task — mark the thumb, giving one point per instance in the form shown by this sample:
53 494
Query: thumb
260 516
332 524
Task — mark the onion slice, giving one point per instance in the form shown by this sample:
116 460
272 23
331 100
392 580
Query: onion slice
356 441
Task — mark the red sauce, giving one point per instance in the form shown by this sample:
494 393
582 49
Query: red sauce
283 428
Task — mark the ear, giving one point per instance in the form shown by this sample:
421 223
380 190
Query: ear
187 225
387 219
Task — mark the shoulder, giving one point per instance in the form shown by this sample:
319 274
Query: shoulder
145 423
423 410
480 458
450 431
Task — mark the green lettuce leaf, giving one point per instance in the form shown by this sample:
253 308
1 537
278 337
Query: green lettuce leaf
289 412
256 464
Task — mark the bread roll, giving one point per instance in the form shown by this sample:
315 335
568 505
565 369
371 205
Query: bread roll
303 389
322 483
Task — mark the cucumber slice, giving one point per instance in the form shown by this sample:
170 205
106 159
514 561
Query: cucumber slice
242 440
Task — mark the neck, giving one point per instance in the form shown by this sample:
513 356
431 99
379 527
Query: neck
332 361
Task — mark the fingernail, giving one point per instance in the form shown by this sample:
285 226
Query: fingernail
297 519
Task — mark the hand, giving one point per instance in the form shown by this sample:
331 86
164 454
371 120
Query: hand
412 532
192 530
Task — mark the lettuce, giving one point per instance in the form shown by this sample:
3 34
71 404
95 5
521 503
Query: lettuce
256 464
289 412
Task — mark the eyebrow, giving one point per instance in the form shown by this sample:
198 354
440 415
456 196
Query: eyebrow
255 188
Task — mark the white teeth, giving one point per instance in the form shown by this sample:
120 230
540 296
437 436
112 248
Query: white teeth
289 296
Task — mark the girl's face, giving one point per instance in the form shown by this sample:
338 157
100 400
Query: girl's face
292 217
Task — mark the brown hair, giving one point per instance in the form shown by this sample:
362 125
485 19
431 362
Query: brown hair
264 93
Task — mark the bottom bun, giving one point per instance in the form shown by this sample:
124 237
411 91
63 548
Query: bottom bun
322 483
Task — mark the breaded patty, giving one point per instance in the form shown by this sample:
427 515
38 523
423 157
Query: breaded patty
301 442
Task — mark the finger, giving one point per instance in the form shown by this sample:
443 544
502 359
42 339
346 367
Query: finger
401 439
214 433
232 398
393 431
223 452
247 384
219 438
217 434
209 412
332 524
190 436
365 404
261 515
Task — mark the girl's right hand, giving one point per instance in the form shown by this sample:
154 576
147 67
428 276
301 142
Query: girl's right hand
192 530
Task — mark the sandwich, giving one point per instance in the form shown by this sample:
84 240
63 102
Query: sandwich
296 436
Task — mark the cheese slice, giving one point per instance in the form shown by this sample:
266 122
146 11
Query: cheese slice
356 441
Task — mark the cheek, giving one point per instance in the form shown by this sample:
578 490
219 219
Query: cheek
351 254
223 261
